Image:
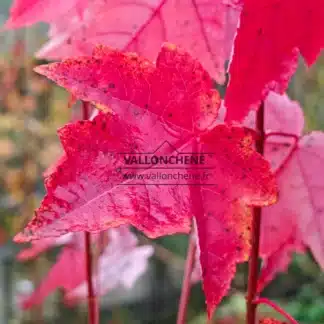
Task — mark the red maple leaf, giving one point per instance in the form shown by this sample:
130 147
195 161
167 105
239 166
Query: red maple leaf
121 263
269 38
295 221
283 224
43 245
281 228
206 29
67 273
298 216
278 260
171 103
282 116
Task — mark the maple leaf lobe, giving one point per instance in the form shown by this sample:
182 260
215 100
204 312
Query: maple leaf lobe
178 88
187 104
243 179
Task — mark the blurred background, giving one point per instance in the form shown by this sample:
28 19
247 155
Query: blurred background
31 110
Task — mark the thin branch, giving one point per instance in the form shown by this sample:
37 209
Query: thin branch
186 284
92 301
256 232
93 310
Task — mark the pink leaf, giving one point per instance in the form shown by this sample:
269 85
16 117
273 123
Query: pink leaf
224 220
167 109
295 221
127 77
266 48
280 259
206 29
121 263
300 205
83 192
283 115
284 123
174 89
301 192
43 245
67 273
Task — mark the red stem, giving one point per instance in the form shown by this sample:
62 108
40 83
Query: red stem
256 232
198 210
85 110
93 311
186 284
276 308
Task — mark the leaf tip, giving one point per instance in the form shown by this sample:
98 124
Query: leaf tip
210 311
21 238
41 69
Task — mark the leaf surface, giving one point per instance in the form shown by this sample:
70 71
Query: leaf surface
300 192
278 260
283 115
275 34
168 109
174 98
176 89
295 221
284 122
67 273
121 264
43 245
280 233
224 221
205 28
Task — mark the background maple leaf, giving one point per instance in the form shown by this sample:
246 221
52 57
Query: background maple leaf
211 26
129 263
276 35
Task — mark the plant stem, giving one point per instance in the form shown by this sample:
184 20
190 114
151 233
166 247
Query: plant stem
186 284
85 110
92 302
198 210
93 311
256 232
275 307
